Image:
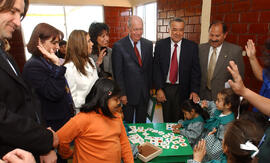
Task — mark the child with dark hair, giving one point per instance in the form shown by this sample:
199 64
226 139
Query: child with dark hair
104 74
193 124
98 131
221 113
239 146
261 121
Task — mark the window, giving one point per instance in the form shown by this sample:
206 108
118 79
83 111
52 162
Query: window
64 18
148 13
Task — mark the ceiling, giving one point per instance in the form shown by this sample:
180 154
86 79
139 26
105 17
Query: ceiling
122 3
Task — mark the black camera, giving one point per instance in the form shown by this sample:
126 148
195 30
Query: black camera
104 48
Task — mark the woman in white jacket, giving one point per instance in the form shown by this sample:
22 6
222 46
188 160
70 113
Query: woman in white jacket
81 73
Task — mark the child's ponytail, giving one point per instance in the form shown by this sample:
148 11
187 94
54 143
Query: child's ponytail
188 105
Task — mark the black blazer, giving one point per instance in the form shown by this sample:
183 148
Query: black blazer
135 81
49 83
189 66
20 114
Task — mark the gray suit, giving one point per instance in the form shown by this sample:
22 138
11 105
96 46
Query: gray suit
229 52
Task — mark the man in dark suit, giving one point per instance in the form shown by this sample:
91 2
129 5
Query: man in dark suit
214 59
132 59
20 122
176 71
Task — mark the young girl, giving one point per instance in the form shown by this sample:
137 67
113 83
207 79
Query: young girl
221 114
98 131
263 122
193 125
239 146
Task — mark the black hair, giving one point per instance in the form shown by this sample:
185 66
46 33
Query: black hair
188 105
96 30
179 20
231 98
217 22
104 74
62 42
99 95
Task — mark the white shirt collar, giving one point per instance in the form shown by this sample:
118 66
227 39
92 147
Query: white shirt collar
218 49
178 44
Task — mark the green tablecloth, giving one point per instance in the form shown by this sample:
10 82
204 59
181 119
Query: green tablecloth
168 155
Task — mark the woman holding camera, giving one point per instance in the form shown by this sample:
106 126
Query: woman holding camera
101 53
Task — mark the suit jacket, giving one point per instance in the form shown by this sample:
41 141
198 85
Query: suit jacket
135 81
229 52
189 67
49 82
20 118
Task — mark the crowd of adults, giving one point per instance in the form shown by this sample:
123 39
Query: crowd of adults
58 77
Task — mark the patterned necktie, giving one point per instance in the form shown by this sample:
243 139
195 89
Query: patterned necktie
137 54
174 66
211 67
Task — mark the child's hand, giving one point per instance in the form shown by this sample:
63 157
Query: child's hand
177 126
204 104
212 132
139 148
176 130
199 151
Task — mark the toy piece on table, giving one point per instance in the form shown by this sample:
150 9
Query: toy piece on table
169 126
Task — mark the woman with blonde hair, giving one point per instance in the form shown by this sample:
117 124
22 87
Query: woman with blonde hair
81 71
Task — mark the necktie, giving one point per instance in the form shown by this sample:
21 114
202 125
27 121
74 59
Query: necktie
137 54
174 66
211 67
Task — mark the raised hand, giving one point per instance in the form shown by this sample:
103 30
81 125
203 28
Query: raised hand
101 55
48 55
199 151
237 85
250 49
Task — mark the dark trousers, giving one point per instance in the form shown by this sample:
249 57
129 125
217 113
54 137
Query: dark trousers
140 111
171 108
